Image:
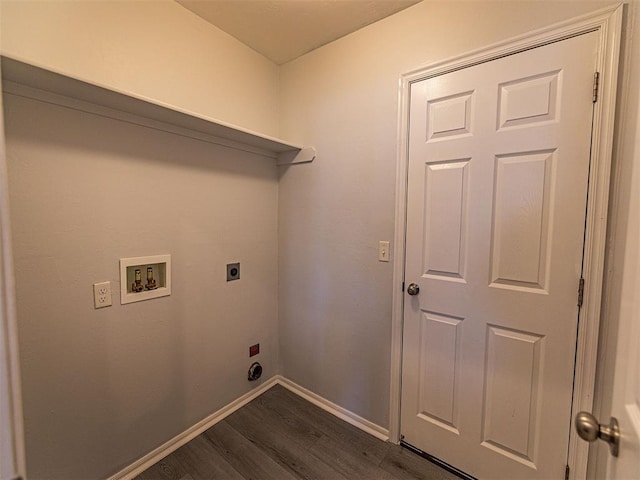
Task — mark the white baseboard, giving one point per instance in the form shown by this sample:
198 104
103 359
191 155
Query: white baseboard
342 413
185 437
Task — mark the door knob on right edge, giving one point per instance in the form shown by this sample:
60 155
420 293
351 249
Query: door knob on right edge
413 289
590 430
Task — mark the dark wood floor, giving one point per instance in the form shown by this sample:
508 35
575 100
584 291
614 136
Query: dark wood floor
280 436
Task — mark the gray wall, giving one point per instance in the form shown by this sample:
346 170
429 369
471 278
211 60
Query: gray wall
156 49
335 297
101 388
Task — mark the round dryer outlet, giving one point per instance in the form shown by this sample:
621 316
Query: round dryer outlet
255 371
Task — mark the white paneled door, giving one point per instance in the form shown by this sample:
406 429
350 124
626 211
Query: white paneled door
497 192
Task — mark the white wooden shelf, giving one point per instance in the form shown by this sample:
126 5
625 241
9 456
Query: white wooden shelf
30 81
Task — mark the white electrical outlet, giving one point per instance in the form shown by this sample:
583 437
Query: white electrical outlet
102 294
383 251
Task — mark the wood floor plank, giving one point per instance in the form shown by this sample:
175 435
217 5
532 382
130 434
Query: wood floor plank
281 446
281 420
281 436
406 465
345 434
243 455
201 460
161 471
348 463
196 460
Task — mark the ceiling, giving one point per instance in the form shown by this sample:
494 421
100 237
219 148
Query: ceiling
283 30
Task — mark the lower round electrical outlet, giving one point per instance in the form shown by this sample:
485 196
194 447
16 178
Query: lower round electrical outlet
233 271
255 371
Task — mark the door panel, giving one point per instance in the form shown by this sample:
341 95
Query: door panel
446 212
512 385
440 364
497 186
522 202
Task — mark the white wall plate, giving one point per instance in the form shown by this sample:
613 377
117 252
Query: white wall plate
159 267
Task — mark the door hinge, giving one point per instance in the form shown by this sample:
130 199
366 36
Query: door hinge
566 472
596 85
580 292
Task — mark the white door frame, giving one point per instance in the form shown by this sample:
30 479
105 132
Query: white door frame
607 22
12 454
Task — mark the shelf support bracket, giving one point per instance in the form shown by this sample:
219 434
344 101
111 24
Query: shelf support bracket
304 155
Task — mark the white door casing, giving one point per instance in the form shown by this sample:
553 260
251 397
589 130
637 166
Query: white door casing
625 405
619 390
607 25
12 455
